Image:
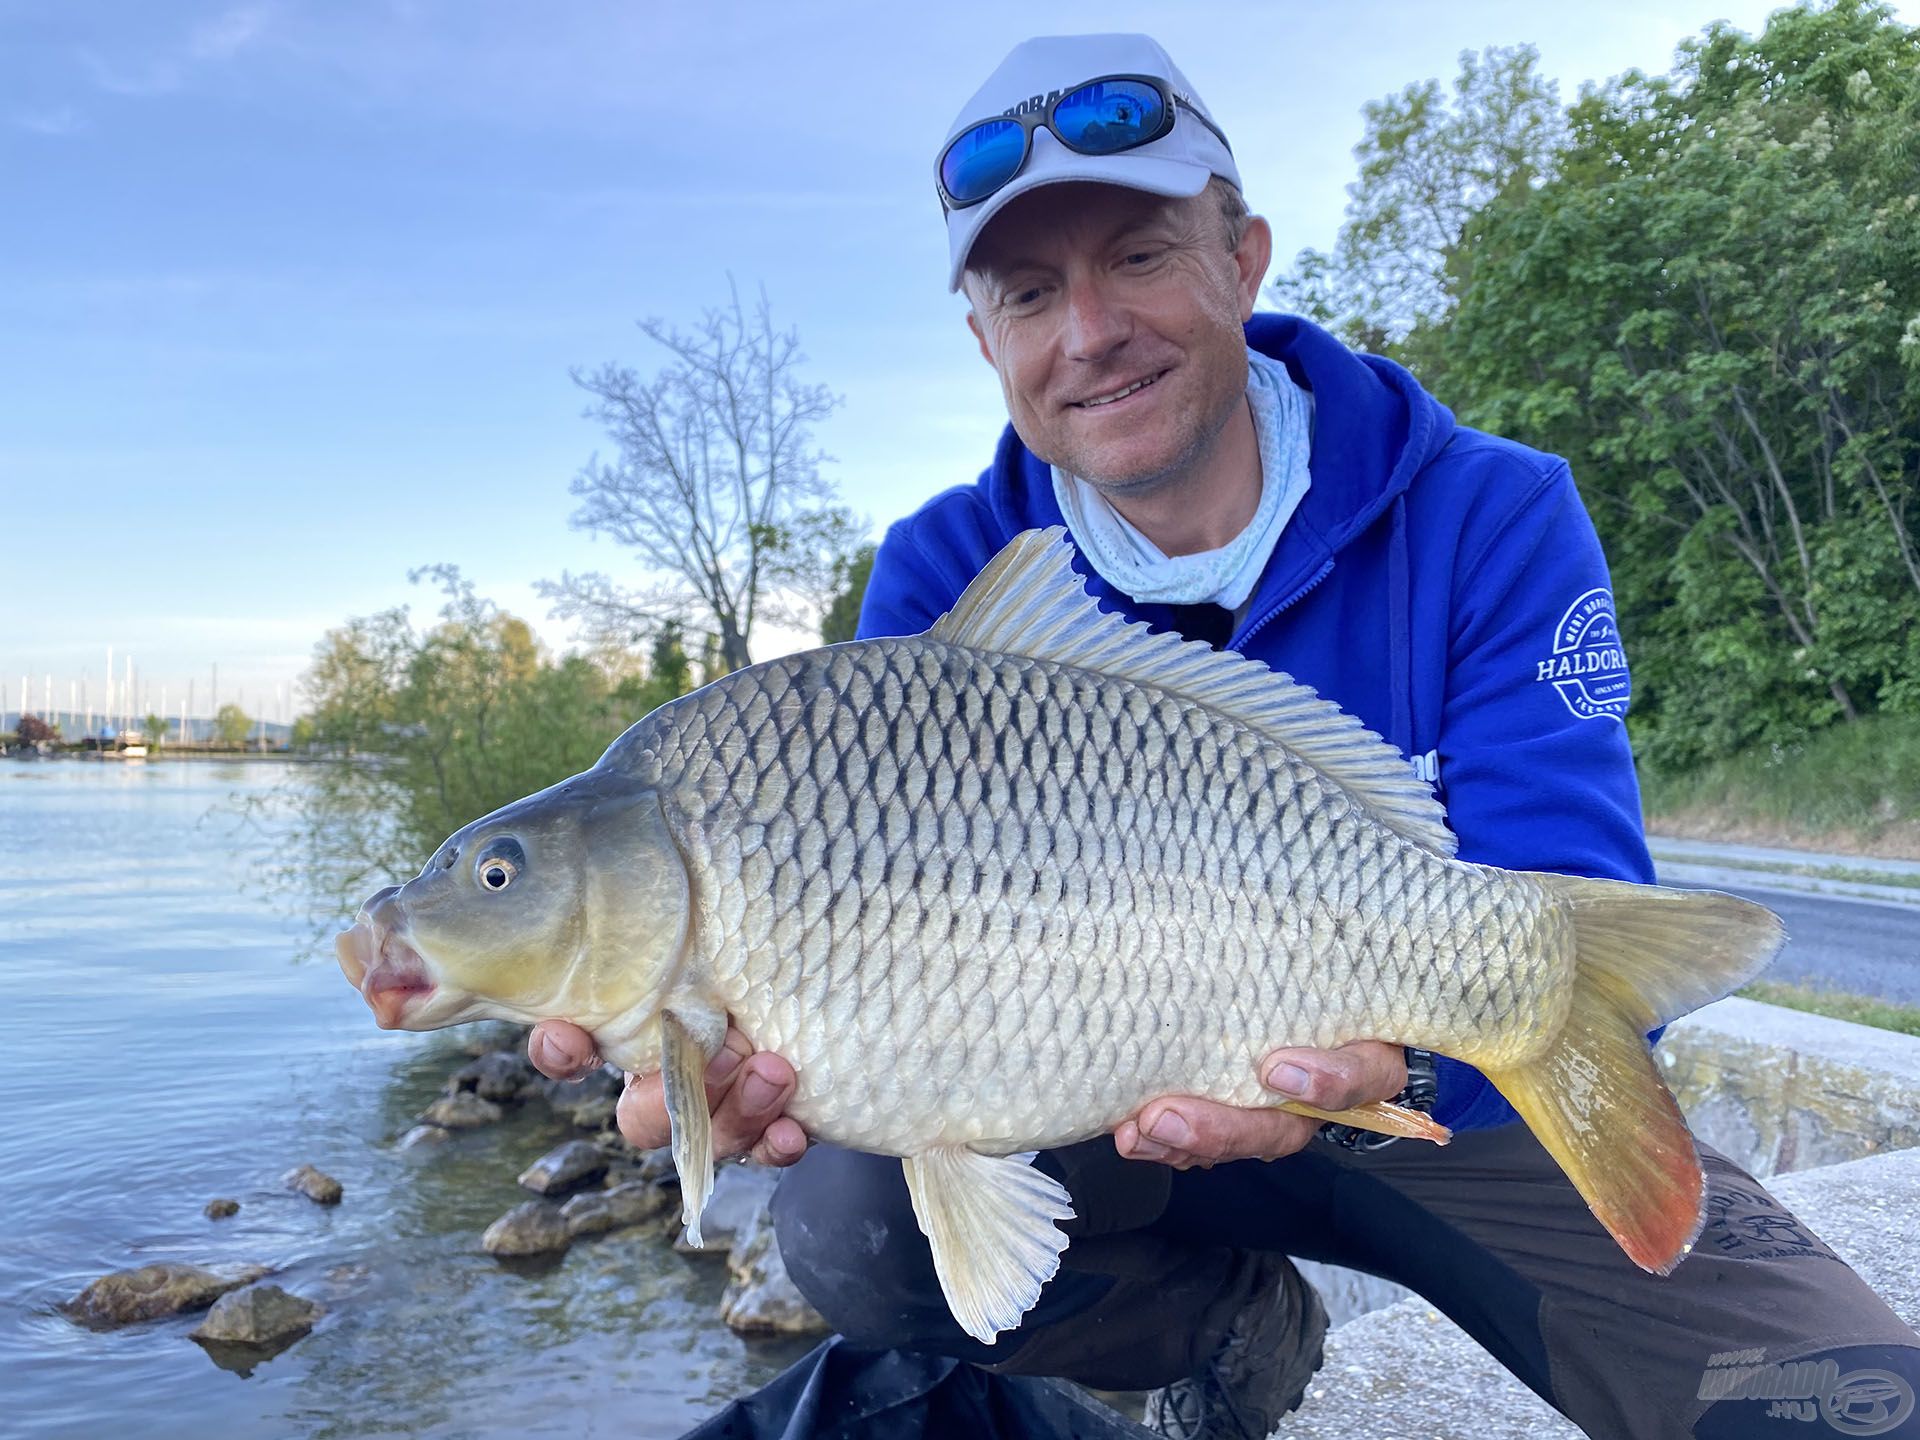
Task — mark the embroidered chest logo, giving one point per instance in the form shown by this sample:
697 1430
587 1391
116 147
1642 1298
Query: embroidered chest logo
1587 666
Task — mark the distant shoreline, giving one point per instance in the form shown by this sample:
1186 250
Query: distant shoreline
97 757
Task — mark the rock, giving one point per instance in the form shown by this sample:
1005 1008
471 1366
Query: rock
221 1209
565 1167
425 1135
657 1166
760 1299
499 1075
316 1185
258 1315
740 1192
597 1113
535 1228
465 1111
588 1102
598 1211
128 1296
487 1039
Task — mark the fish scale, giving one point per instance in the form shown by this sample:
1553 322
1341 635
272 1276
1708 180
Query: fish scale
992 888
1158 924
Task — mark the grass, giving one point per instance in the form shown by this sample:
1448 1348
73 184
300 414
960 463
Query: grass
1860 1009
1846 874
1850 787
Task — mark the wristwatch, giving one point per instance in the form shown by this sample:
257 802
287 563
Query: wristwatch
1419 1093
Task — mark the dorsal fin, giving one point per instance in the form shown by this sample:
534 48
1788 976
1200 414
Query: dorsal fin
1029 601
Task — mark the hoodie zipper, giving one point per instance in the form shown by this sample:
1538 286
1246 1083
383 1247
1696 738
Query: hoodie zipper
1239 641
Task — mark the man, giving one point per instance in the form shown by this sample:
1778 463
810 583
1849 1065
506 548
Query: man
1248 481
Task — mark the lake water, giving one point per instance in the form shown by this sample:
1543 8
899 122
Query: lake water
164 1044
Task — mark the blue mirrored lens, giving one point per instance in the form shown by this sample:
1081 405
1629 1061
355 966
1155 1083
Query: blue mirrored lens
1109 116
982 159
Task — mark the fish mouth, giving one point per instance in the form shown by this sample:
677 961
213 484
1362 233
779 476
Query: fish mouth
390 974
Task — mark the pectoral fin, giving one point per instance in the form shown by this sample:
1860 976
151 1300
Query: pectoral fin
990 1223
683 1075
1381 1115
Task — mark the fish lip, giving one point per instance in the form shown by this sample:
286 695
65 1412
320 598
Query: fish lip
389 973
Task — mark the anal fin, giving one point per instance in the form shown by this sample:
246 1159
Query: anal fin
989 1220
683 1076
1381 1115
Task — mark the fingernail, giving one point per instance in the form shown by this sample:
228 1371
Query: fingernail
587 1067
757 1092
721 1066
1145 1149
1289 1080
1171 1129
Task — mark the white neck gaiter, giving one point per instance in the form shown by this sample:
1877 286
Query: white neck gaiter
1134 565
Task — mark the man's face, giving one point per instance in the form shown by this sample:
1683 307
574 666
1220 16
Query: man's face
1113 318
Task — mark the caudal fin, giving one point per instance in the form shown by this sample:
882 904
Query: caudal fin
1646 955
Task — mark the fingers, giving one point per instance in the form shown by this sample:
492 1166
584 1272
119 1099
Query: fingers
1184 1131
562 1051
747 1094
1354 1074
751 1105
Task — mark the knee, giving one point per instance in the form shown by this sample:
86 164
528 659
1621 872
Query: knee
850 1242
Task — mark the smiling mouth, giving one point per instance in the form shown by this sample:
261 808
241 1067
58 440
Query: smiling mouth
389 973
1114 396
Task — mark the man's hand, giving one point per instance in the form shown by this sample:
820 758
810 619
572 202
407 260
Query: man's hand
1183 1131
747 1093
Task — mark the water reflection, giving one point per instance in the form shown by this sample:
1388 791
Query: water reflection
165 1049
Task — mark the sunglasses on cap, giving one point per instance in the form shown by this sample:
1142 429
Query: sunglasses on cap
1107 116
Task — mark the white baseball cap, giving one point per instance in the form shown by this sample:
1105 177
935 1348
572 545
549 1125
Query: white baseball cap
1036 74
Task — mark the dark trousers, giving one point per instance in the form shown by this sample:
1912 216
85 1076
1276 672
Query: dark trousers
1487 1229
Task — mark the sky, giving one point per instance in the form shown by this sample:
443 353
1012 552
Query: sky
290 290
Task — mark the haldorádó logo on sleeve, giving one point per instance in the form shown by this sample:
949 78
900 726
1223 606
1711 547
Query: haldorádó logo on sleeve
1587 666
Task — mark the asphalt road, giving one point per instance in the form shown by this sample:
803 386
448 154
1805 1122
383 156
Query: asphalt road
1860 946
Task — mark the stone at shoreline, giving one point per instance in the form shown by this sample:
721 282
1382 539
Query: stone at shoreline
500 1075
464 1111
128 1296
597 1211
565 1167
221 1209
535 1228
760 1299
740 1192
263 1315
316 1185
589 1102
481 1040
421 1135
657 1166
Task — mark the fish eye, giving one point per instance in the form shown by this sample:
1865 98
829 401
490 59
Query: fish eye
500 860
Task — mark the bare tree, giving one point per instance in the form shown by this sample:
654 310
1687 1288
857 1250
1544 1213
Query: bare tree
716 486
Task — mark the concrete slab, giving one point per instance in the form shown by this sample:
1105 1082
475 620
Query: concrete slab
1409 1373
1780 1090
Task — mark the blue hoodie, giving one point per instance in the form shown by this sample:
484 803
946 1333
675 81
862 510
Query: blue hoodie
1444 585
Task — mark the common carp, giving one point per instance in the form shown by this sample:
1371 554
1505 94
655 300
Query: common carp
993 887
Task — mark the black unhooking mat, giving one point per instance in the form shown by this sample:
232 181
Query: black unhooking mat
838 1392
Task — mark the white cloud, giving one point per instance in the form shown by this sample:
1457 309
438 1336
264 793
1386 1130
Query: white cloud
61 121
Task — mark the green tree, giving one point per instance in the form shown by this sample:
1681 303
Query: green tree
1713 311
154 729
230 725
1428 163
841 618
448 722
